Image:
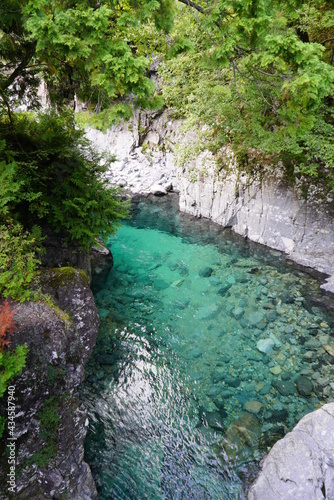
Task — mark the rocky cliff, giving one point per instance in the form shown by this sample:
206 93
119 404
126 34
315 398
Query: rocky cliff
265 208
51 422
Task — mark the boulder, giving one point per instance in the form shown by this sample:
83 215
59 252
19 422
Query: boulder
158 190
300 466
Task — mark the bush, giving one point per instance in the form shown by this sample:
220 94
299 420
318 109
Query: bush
11 362
18 262
60 177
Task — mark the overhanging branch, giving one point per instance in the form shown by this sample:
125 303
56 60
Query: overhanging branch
193 5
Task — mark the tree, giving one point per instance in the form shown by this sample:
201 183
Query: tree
261 77
76 47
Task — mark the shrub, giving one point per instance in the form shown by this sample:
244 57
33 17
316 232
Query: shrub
7 325
18 262
11 362
61 178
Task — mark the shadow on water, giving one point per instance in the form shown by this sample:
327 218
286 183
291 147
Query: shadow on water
210 349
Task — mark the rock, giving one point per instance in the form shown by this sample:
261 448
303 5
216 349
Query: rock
224 289
101 264
152 139
253 407
286 388
276 370
255 318
312 344
205 272
279 415
271 315
207 312
158 190
329 348
214 419
60 343
238 312
232 382
161 284
217 376
195 353
241 433
168 187
304 385
265 389
265 345
300 466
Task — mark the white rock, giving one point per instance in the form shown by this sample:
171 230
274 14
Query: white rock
158 190
300 466
265 345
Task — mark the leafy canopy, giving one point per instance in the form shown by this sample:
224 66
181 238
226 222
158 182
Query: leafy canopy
260 74
77 47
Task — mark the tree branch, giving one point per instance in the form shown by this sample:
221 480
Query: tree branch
193 5
18 70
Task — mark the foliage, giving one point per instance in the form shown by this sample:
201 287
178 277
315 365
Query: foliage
49 424
77 47
61 179
7 325
18 262
260 74
11 362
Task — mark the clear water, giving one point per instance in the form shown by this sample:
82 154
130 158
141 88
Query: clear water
182 403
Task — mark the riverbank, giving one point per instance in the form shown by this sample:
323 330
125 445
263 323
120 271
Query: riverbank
152 157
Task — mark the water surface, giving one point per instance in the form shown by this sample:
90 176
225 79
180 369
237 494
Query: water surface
210 349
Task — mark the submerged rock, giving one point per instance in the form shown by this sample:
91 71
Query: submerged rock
265 345
284 387
253 407
205 272
304 385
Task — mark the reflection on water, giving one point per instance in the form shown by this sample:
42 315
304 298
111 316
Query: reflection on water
210 349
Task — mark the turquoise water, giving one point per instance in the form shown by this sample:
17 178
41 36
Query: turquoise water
210 349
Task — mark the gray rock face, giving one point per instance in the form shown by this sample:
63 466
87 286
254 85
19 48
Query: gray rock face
300 466
265 209
59 342
101 260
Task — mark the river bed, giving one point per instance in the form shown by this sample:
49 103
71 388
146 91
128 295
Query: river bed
210 349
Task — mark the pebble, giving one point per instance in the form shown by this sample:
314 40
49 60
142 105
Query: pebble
329 348
265 345
255 318
276 370
253 407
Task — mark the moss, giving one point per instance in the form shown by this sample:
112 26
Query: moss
55 375
58 277
49 425
83 276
